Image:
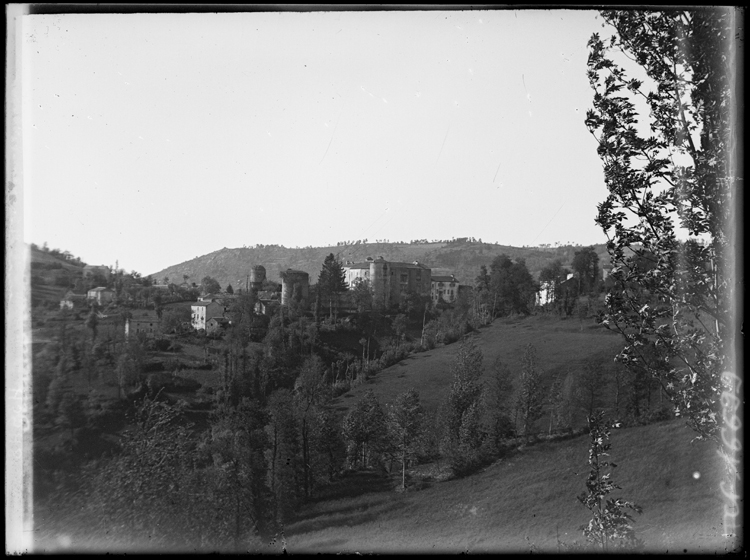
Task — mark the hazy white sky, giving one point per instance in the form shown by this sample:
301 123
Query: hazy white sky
154 138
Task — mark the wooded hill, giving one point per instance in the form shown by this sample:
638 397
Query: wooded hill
462 258
52 274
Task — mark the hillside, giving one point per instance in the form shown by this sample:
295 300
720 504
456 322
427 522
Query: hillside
527 501
51 276
562 346
462 258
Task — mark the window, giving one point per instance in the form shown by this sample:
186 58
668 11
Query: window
404 278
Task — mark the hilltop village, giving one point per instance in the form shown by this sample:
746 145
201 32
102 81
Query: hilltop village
389 283
262 396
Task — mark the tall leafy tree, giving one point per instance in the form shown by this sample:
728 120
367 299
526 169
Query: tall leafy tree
501 391
406 428
210 285
462 408
530 398
675 179
365 429
586 266
283 455
310 393
234 445
511 288
92 322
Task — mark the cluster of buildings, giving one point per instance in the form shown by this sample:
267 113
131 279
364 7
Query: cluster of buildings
390 281
100 296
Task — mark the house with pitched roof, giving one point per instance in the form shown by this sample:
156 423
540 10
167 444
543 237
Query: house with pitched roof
444 288
202 311
100 295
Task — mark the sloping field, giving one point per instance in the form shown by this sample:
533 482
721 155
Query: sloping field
527 502
559 343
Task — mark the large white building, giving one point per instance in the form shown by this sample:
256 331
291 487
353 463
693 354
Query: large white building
202 311
389 280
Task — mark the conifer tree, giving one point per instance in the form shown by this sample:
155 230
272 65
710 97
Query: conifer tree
332 280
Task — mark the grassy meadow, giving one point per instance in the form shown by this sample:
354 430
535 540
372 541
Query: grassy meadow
562 345
527 502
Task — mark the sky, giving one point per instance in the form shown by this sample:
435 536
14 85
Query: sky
151 139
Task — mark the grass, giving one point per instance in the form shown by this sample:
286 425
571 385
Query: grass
525 502
430 372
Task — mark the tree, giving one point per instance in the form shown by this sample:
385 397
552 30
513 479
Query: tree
330 446
59 385
242 313
405 428
590 386
173 318
511 287
310 392
610 525
674 181
92 321
462 409
210 285
530 400
501 392
283 457
230 290
146 486
157 299
234 446
332 280
553 275
364 429
586 267
399 327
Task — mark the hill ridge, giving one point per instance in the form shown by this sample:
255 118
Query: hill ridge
463 259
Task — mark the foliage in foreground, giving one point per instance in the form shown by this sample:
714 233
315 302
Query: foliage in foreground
670 296
611 525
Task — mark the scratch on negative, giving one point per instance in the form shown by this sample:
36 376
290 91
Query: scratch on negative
443 145
331 140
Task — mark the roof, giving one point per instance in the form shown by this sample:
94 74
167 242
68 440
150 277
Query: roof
203 303
444 279
100 289
366 265
293 271
143 319
219 319
72 296
408 265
